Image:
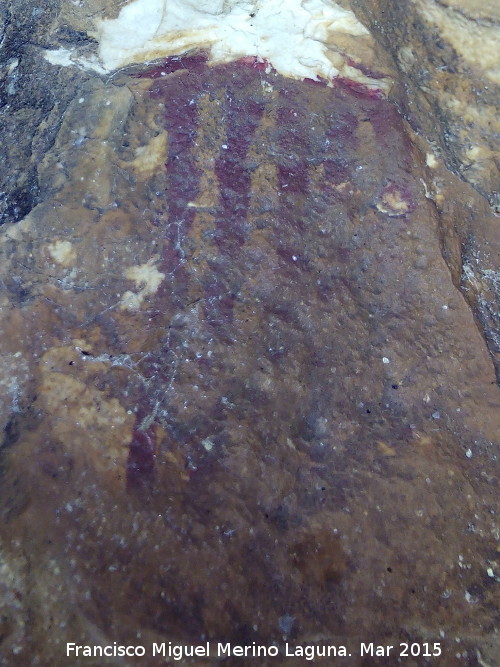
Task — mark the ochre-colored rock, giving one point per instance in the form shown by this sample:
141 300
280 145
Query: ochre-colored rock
446 55
248 348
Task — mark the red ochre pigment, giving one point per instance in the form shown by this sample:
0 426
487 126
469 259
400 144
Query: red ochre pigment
310 136
141 457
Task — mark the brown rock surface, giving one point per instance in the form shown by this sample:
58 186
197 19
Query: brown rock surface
248 342
446 53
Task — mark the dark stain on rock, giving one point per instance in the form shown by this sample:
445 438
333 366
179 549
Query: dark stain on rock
19 203
242 116
141 458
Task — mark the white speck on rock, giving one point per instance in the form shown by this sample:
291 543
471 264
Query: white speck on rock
208 444
60 56
469 598
147 278
430 160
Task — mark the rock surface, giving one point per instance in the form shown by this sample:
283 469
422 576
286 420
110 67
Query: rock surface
448 65
249 339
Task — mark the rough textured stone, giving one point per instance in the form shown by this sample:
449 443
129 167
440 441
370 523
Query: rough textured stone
447 57
248 348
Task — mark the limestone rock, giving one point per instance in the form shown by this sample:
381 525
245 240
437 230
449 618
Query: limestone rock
249 342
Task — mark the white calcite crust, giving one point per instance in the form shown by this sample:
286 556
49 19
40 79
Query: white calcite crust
294 35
